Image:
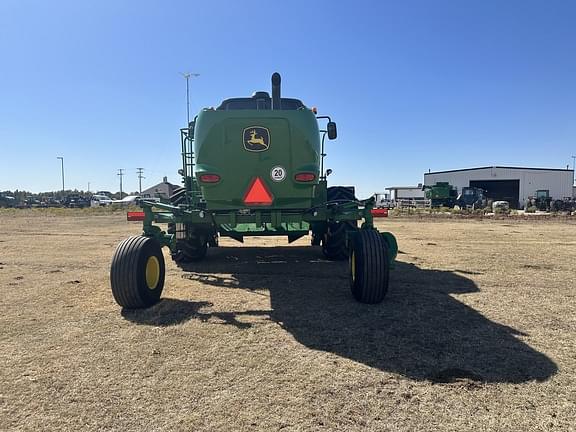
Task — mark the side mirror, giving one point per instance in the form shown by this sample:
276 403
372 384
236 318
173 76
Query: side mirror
331 128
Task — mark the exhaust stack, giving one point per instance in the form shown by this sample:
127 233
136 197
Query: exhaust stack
276 101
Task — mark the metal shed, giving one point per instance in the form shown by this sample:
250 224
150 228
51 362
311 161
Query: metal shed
512 184
406 192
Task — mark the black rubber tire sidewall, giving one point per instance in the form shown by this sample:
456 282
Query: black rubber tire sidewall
128 272
372 267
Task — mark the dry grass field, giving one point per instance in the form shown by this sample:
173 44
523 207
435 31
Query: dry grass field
478 333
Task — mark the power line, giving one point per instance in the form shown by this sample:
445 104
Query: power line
121 174
140 171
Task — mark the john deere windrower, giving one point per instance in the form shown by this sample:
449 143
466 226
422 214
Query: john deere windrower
254 167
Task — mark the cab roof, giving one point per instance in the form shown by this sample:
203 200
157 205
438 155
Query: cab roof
259 101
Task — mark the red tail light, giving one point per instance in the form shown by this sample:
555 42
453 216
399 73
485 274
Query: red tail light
305 177
258 193
209 178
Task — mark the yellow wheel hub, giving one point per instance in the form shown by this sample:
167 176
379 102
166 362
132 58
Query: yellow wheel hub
152 272
353 265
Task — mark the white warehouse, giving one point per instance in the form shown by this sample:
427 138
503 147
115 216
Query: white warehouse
512 184
406 193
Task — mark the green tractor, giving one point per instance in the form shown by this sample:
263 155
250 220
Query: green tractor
441 194
254 166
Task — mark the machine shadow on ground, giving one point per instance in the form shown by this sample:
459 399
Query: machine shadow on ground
419 331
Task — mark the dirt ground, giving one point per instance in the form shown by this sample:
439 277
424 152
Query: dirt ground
478 332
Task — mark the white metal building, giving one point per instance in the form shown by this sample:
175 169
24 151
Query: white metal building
406 192
512 184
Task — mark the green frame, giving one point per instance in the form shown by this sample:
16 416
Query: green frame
238 223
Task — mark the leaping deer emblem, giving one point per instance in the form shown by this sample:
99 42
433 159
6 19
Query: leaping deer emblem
256 139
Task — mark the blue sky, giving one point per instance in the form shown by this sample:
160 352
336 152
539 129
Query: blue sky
413 85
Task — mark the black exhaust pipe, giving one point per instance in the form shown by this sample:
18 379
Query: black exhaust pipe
276 101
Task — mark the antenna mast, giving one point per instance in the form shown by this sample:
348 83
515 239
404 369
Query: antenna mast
187 76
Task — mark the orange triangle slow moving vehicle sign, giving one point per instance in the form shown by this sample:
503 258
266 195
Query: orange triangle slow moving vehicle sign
258 193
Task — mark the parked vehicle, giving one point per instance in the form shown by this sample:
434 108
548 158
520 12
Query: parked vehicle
76 201
7 201
382 200
441 194
254 167
100 201
501 207
471 198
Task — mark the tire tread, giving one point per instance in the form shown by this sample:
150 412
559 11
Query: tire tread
372 275
125 272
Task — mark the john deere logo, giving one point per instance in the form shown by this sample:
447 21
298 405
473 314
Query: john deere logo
256 138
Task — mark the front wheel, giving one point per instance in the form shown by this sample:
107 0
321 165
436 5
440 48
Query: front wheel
137 272
369 266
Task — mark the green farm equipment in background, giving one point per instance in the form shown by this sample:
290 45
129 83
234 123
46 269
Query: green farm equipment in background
441 194
254 166
543 200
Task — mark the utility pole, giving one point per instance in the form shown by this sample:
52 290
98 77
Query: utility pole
121 174
140 171
88 187
187 76
62 160
573 164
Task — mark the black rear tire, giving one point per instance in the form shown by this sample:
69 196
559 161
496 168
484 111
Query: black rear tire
188 251
369 266
137 272
341 193
334 244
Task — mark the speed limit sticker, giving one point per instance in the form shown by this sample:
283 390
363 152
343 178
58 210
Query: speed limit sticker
278 173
